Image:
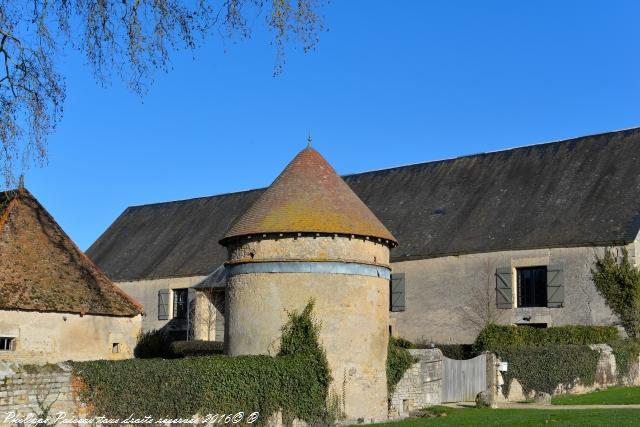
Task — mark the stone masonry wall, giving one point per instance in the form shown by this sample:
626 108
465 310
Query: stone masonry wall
420 386
28 389
56 337
444 294
320 248
146 293
353 310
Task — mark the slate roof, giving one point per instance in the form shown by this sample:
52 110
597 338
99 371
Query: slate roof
309 197
41 269
578 192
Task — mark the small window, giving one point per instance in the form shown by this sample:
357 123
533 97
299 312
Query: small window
115 347
180 304
532 287
7 343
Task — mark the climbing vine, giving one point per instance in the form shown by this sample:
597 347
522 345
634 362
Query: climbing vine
398 361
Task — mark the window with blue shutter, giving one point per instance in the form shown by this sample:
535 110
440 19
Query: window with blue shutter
504 293
163 304
555 286
397 292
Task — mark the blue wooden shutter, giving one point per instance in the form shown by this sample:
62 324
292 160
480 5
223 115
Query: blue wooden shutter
397 293
163 304
504 293
555 286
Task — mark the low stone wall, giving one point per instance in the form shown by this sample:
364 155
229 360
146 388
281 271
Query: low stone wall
420 386
606 376
30 390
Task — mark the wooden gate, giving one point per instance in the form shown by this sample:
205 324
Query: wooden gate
462 380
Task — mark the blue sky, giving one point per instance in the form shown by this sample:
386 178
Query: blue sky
390 83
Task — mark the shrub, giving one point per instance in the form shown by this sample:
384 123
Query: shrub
495 337
295 382
402 343
153 343
618 281
196 348
398 361
457 351
544 368
626 353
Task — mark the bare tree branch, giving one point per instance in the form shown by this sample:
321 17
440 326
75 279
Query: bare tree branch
481 309
127 39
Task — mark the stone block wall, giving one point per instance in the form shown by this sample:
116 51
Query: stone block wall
352 308
29 389
146 293
420 386
55 337
444 294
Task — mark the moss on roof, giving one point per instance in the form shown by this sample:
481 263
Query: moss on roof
309 196
41 269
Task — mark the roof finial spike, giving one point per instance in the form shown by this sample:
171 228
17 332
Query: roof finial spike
21 183
309 140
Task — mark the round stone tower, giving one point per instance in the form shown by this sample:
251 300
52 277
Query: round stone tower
310 236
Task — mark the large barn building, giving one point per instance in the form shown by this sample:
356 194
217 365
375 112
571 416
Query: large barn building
509 236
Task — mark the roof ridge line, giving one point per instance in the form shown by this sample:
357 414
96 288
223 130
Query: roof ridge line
517 147
447 159
228 193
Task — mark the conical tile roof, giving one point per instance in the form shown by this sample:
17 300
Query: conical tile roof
309 196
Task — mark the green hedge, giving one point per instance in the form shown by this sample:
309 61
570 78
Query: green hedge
494 337
295 382
196 348
544 368
398 361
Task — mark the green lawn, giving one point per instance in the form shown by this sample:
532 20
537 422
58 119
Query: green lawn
611 396
526 417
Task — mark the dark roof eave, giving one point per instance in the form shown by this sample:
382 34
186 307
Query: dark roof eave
28 310
419 257
281 234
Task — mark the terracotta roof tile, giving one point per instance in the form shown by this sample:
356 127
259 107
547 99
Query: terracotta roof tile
309 196
41 269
